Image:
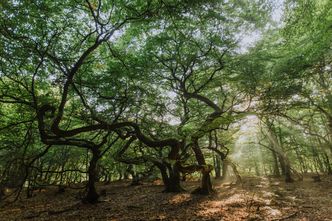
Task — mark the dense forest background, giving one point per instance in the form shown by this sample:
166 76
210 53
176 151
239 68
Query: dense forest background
103 90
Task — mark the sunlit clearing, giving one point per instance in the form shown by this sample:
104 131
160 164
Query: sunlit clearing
247 153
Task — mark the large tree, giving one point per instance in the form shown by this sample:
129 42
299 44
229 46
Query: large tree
88 73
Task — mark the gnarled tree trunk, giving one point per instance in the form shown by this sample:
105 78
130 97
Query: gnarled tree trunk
206 185
171 177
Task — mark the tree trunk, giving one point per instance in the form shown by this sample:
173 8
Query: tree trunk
92 195
2 192
282 165
276 171
288 173
257 172
327 164
329 118
285 168
173 185
217 166
224 170
29 189
171 179
206 185
283 159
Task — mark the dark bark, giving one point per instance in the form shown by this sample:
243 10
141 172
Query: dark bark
173 184
288 173
327 164
206 185
217 166
92 195
285 169
171 177
163 172
2 192
282 165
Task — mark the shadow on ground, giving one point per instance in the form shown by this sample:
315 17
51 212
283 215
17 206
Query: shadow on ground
254 199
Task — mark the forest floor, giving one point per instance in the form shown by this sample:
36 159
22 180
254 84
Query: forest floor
255 199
